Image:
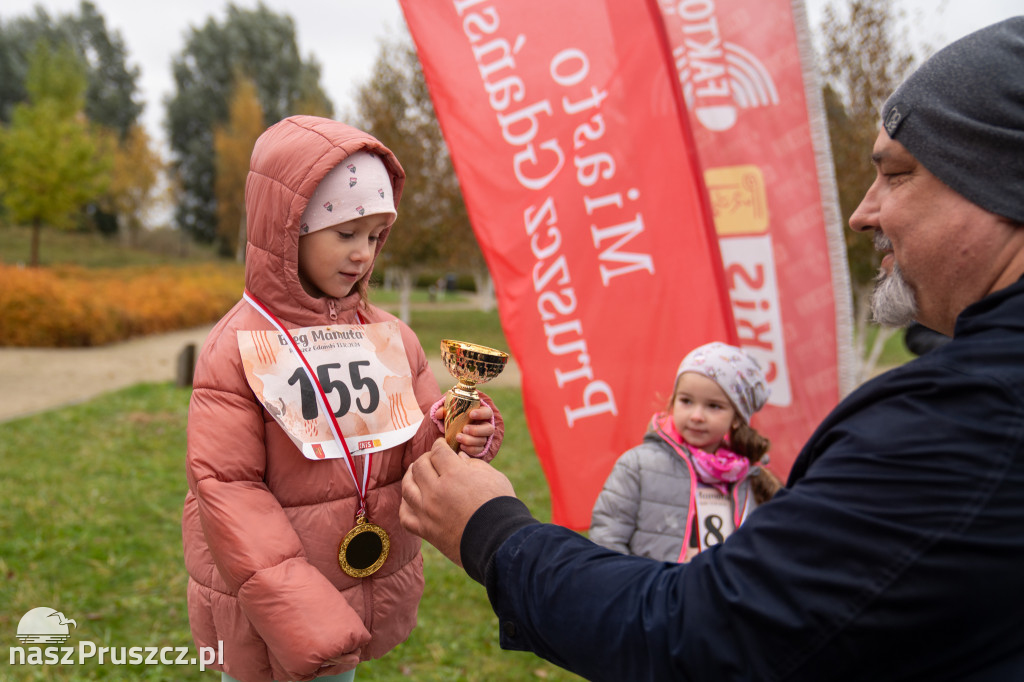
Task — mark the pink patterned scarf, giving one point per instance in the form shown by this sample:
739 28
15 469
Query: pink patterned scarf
718 469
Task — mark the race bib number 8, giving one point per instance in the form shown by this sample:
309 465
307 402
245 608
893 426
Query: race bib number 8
363 370
714 516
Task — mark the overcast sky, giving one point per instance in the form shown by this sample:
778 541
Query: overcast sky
343 35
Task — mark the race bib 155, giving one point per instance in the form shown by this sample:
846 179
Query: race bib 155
364 373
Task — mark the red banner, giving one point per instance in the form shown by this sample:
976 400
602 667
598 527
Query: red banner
567 132
747 72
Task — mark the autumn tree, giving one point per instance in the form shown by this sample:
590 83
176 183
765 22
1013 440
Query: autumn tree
258 43
865 58
134 183
52 162
233 143
432 231
110 97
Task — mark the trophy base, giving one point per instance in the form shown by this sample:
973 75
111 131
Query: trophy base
458 403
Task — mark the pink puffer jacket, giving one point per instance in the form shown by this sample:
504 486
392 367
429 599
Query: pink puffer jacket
261 523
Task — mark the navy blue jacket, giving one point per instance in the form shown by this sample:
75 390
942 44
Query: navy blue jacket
896 552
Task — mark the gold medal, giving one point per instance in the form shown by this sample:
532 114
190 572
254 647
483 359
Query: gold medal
364 549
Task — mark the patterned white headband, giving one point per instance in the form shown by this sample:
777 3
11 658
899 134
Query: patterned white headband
734 371
356 187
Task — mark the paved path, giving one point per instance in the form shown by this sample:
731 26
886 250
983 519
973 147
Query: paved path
37 379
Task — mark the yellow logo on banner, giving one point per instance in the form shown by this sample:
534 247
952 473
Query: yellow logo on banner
738 200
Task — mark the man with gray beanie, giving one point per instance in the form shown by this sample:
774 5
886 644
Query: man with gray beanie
896 551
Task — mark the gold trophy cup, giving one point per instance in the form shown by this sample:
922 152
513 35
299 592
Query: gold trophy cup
471 364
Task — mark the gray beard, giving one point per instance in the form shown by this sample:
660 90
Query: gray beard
892 302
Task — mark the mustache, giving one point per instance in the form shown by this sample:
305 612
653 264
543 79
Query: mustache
881 241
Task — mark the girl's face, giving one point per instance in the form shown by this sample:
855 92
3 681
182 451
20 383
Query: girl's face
701 412
332 260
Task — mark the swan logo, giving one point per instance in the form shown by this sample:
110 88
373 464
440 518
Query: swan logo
719 78
44 625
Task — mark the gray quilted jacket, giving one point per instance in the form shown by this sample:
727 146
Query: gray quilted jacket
647 505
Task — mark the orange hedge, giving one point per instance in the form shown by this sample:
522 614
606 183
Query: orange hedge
68 306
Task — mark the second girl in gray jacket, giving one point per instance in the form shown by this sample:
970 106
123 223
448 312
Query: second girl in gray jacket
696 475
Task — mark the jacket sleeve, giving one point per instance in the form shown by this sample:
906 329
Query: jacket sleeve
425 386
879 538
301 616
613 521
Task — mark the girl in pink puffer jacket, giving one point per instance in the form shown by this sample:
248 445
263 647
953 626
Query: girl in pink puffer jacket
308 406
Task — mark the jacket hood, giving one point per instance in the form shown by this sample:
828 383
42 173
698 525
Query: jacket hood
288 162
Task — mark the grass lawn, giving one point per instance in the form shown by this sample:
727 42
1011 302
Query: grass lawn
90 505
93 250
465 325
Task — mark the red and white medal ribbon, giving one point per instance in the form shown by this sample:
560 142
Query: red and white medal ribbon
321 399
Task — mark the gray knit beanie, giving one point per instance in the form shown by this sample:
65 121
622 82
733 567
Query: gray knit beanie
961 114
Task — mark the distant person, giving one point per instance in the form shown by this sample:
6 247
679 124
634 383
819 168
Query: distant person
296 558
696 476
895 551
